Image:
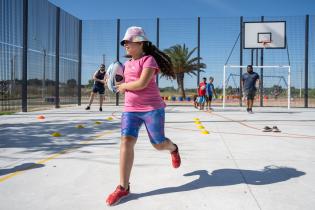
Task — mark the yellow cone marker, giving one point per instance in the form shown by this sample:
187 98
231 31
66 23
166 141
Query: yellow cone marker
98 122
197 122
56 134
196 119
79 126
109 118
200 127
205 132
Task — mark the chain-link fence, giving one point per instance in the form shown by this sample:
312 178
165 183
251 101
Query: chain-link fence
40 21
219 44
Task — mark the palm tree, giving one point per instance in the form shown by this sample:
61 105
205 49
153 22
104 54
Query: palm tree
183 64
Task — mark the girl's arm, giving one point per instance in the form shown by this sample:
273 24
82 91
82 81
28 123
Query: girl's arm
139 84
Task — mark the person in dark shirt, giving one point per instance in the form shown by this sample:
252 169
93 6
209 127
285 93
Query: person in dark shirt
98 87
210 92
249 81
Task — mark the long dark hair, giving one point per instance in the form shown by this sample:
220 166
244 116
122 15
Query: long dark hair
164 61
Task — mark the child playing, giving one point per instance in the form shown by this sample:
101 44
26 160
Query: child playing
143 104
202 93
210 91
196 101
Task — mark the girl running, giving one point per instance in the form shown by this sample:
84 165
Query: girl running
143 104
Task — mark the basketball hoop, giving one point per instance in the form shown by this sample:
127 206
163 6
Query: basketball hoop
264 39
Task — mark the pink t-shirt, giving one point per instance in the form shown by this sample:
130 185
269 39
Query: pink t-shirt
149 98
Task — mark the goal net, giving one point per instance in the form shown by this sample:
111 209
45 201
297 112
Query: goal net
274 88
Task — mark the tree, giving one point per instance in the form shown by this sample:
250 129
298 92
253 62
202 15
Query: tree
90 84
184 63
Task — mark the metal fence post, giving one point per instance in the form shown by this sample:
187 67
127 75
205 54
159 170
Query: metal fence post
80 63
24 59
306 61
57 99
117 55
157 43
198 52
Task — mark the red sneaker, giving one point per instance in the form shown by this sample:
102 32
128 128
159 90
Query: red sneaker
175 157
117 195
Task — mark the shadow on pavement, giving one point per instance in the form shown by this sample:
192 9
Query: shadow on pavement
22 167
226 177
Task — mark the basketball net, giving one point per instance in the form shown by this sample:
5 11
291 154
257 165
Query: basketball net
265 43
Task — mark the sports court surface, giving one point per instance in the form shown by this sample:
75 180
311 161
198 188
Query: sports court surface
235 166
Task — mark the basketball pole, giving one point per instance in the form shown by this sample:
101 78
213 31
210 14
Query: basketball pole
261 80
241 58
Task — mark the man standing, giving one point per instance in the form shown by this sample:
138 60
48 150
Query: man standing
98 87
249 81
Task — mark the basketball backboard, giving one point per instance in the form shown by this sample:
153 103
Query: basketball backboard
268 34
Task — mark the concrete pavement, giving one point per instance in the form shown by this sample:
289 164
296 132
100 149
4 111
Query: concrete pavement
235 166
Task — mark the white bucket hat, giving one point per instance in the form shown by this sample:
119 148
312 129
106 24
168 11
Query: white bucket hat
134 34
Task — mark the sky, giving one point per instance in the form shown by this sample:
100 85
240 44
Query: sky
108 9
223 29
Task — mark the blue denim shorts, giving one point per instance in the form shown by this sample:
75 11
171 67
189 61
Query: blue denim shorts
153 120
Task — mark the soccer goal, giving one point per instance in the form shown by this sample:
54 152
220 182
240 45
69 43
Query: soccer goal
276 84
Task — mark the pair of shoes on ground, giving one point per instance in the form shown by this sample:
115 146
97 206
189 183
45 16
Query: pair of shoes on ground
273 129
250 110
121 192
88 108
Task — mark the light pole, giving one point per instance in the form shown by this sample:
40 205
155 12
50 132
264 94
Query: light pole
104 59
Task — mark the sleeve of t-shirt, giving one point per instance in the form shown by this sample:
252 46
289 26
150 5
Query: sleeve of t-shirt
150 62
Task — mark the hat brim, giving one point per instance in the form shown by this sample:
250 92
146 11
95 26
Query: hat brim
134 39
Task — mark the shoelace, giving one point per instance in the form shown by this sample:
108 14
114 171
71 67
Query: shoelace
119 188
116 192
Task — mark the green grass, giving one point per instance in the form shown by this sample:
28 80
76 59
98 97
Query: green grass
6 113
